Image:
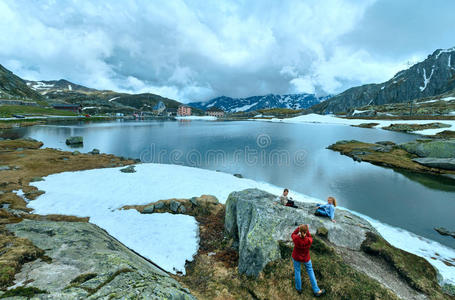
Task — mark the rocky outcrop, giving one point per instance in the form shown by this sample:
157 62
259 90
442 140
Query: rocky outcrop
444 231
440 163
436 149
84 262
75 140
258 225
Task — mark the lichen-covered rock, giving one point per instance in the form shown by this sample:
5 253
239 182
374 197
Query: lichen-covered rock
437 149
129 169
257 225
433 162
148 209
174 205
76 249
74 140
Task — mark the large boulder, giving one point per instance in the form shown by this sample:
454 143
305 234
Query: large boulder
75 140
437 148
258 226
84 262
433 162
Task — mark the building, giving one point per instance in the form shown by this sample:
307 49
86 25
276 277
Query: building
77 108
215 112
159 108
171 112
184 110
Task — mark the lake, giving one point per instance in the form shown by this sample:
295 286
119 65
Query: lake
286 155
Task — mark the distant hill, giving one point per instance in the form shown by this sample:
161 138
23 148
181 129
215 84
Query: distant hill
99 101
432 77
292 101
61 85
13 87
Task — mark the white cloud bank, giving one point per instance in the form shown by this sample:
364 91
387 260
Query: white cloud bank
193 50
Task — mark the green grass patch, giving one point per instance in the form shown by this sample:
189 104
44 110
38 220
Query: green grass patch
22 291
7 111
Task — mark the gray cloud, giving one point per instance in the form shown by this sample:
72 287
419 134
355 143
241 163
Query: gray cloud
195 50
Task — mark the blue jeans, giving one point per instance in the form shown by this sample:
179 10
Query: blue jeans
309 270
322 212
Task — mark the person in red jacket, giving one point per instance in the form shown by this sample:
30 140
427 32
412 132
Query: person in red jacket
301 254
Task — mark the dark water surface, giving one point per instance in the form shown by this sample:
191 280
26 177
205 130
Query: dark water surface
286 155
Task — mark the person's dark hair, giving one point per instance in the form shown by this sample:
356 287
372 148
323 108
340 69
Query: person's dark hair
286 190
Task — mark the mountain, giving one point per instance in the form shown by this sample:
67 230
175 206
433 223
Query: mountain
98 101
15 88
431 77
56 86
228 104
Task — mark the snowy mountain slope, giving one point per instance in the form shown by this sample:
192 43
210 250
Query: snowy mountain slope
293 101
433 76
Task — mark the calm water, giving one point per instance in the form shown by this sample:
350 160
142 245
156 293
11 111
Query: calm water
287 155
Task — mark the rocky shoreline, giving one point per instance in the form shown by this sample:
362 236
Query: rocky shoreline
243 252
422 156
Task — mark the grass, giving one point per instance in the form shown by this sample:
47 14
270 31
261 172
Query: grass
15 252
417 272
7 111
21 291
414 127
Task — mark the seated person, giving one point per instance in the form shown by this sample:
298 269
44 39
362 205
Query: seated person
327 210
285 200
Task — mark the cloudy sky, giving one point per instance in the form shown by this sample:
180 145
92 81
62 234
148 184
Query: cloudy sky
197 50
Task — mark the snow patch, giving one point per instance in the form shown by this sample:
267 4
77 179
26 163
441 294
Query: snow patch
425 79
70 87
330 119
243 108
112 99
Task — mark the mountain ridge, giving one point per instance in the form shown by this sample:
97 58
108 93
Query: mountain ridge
431 77
253 103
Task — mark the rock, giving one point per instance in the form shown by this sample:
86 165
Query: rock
65 158
95 151
382 148
386 143
35 179
174 205
148 209
129 169
322 231
444 231
159 205
76 152
193 201
238 175
5 168
74 140
20 149
437 149
2 193
21 155
257 226
433 162
29 139
182 209
85 258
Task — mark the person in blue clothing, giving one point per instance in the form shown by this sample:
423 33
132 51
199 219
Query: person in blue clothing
327 210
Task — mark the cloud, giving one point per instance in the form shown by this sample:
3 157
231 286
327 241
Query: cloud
195 50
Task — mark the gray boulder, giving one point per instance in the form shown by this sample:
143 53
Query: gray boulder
87 263
5 168
444 231
159 205
75 140
174 206
257 225
76 152
433 162
129 169
437 149
148 209
95 151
